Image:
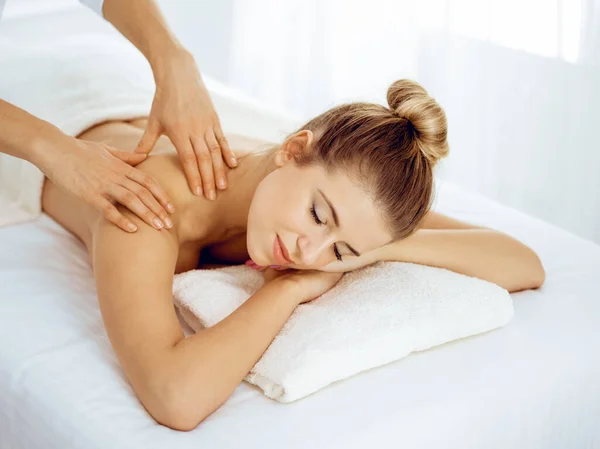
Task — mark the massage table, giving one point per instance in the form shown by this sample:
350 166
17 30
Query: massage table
532 384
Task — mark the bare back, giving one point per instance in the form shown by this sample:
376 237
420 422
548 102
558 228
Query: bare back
81 219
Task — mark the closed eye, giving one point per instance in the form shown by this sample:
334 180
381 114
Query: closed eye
319 222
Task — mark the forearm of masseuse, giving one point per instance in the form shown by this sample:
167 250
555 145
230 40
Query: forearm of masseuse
142 23
27 137
482 253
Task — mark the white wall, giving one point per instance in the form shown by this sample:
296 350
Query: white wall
523 128
205 28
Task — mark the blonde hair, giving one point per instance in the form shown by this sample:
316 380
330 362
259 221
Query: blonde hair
391 151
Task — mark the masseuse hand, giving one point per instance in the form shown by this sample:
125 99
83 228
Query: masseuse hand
101 175
182 109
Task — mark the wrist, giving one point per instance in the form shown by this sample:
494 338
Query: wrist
170 59
47 146
288 289
393 251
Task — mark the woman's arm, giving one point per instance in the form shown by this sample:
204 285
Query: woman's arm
92 171
476 251
180 381
21 133
142 23
182 107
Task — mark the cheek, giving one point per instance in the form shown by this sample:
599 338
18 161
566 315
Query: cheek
262 217
264 203
278 202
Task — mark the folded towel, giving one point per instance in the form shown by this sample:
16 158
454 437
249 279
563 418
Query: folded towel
73 84
373 316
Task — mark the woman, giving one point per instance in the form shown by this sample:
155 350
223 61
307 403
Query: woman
351 187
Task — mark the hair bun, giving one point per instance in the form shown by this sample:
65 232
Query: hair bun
409 100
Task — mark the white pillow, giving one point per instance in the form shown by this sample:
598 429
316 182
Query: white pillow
373 316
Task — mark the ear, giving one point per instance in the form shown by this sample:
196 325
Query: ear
293 146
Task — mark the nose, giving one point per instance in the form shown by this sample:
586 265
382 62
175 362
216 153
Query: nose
311 247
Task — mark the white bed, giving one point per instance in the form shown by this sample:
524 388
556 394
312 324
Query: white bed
532 384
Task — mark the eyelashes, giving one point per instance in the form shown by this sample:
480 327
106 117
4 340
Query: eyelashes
319 222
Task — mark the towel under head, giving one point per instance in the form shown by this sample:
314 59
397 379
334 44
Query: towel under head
375 315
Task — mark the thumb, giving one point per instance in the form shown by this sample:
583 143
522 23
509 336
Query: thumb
148 140
130 158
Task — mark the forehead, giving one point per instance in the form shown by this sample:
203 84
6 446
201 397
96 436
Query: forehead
361 223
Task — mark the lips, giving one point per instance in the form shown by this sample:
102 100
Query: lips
280 252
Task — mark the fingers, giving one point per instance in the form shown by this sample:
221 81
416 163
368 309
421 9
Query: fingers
255 266
215 151
153 209
228 155
188 162
152 185
112 214
212 168
204 162
130 200
130 158
149 138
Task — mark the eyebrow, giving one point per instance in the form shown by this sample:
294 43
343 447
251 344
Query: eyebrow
335 219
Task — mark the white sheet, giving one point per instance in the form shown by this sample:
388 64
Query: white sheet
532 384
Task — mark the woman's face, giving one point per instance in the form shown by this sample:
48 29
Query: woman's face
295 205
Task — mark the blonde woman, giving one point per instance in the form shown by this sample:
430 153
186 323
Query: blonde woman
351 187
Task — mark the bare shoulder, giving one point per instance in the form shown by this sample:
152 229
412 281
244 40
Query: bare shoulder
239 144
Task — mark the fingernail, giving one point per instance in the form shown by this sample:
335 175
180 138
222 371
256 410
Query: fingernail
158 223
170 208
168 222
222 183
274 266
198 191
132 227
234 161
211 194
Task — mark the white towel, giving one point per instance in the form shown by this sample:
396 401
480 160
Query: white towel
373 316
73 83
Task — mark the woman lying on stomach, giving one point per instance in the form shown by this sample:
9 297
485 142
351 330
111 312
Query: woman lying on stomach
351 187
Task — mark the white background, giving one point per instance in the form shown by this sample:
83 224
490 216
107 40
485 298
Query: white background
519 80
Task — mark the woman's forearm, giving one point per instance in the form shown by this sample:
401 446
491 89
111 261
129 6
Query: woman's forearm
482 253
142 23
207 367
27 137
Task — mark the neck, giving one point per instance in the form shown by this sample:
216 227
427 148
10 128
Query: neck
229 211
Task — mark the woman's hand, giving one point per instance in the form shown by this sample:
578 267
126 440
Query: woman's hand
101 175
182 109
309 284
